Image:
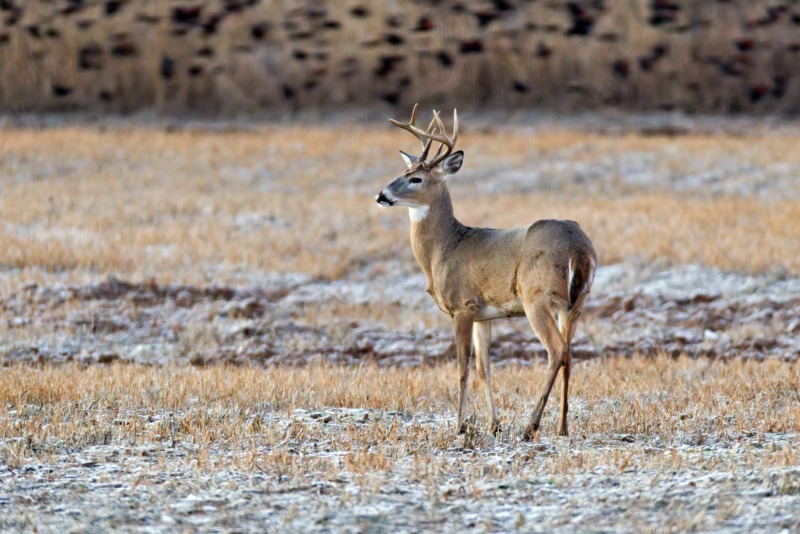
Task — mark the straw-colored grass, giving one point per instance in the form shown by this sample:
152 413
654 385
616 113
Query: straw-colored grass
78 203
244 409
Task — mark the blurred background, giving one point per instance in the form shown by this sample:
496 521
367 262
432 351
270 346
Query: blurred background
226 57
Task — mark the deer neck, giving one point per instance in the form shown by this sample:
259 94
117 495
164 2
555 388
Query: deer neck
433 233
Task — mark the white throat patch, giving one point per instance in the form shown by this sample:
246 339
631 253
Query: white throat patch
418 213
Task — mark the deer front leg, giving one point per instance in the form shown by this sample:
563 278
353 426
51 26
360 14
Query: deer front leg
463 327
481 340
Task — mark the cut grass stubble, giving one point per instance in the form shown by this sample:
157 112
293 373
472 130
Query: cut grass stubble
255 412
194 207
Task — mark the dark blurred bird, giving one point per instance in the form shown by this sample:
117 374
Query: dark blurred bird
386 65
757 92
445 59
503 5
664 12
425 24
187 14
621 68
211 25
90 57
660 50
485 17
124 49
391 97
521 87
471 46
61 91
394 39
544 51
582 20
74 7
743 45
113 6
259 31
360 12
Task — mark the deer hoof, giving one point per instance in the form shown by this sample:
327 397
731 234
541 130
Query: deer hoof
495 428
462 428
530 432
563 431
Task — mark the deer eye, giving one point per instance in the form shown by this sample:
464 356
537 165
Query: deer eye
416 180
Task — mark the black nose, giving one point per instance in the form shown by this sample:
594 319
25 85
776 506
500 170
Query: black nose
382 200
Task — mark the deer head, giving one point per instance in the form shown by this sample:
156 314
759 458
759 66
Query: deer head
422 184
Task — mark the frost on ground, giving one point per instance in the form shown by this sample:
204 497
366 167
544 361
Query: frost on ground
294 319
499 486
656 445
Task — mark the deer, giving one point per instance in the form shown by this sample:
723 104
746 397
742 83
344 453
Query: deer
543 271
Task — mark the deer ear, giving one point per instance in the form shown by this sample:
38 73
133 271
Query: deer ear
408 158
452 163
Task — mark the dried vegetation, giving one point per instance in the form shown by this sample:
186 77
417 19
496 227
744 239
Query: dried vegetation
263 246
670 445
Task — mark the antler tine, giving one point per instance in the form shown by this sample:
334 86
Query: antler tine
449 142
411 126
430 134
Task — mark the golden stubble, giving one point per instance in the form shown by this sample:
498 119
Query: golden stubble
262 414
193 206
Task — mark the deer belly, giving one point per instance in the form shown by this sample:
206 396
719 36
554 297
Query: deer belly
508 309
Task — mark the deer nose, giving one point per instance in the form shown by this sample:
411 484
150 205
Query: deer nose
381 199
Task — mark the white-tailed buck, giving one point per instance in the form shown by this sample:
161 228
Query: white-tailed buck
543 271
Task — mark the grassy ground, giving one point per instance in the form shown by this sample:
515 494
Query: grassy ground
676 445
202 206
658 445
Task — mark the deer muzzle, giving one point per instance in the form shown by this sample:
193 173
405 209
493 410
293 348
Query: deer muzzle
381 199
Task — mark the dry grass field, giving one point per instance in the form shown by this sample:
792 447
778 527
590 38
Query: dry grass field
212 327
659 446
141 203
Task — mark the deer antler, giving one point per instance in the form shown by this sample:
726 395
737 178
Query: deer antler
431 136
411 127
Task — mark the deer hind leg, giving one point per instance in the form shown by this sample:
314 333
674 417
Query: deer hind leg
544 325
481 339
566 326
